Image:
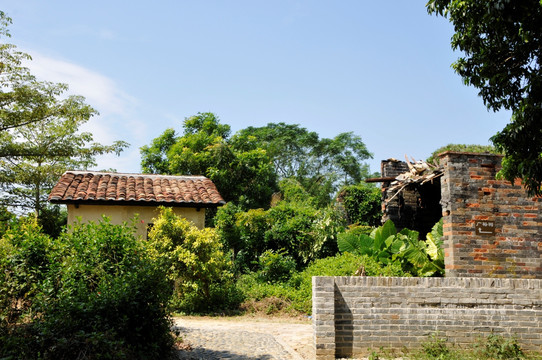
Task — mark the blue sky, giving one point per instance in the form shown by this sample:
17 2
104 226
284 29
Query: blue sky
380 69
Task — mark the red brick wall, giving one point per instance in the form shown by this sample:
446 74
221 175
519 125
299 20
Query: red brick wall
508 242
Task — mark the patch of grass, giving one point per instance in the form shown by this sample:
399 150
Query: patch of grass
492 347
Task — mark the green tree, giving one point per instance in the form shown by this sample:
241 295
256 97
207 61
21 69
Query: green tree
39 137
46 149
243 175
501 42
320 165
14 82
23 99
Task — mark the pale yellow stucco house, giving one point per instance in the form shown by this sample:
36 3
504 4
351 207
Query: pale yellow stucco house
90 195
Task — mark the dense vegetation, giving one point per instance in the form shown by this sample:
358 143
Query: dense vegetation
95 293
248 166
40 136
297 208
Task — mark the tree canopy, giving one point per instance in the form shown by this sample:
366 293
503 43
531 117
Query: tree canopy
247 165
39 131
320 165
501 42
243 175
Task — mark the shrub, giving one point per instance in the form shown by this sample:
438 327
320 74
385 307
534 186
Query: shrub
26 256
297 228
275 266
501 348
53 220
436 347
197 267
362 204
100 296
298 289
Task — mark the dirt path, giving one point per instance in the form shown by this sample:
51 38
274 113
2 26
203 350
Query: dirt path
246 338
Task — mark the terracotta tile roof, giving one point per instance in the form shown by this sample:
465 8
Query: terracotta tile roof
102 187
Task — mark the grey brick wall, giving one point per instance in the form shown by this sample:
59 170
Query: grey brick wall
354 314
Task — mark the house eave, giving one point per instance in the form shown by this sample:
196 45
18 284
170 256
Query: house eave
198 205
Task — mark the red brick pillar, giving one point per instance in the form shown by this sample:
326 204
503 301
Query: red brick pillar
491 227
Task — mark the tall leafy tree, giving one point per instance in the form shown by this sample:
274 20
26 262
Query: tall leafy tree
320 165
39 137
22 98
501 42
244 175
45 149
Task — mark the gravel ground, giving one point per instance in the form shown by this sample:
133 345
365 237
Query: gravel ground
245 339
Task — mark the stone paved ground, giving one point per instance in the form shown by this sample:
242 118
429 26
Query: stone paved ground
245 339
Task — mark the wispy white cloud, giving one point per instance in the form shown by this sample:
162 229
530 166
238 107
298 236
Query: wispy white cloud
101 92
118 118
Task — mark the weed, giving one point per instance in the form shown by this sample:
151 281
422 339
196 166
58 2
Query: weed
501 348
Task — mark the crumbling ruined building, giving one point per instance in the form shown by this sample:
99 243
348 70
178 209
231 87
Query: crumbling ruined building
493 281
491 227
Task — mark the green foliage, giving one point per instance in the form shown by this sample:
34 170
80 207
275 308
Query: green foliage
196 265
386 245
53 220
93 293
275 266
500 348
296 227
39 132
436 347
500 43
482 149
242 175
291 229
362 203
246 167
6 220
251 227
227 230
26 256
521 143
319 165
297 291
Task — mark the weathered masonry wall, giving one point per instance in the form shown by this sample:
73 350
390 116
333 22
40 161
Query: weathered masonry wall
354 314
491 227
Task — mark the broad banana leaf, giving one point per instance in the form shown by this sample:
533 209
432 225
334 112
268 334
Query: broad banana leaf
434 242
366 245
382 233
348 242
